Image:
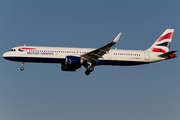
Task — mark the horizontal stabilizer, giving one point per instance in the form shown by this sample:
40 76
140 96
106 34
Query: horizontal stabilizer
169 55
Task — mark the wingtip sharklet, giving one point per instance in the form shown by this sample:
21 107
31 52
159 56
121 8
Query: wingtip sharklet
117 38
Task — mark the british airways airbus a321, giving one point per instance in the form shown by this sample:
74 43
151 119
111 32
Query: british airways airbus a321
73 58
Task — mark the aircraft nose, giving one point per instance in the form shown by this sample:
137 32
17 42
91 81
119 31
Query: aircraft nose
5 55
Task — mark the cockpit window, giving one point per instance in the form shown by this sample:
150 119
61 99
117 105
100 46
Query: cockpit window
12 50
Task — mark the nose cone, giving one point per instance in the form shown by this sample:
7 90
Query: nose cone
5 55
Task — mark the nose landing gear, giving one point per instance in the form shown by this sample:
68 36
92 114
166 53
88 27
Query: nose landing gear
22 68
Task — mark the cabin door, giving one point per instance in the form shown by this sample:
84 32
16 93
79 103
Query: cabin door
147 56
109 54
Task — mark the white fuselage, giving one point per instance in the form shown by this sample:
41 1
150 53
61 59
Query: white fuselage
58 55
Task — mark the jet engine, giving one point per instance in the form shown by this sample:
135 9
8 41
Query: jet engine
71 63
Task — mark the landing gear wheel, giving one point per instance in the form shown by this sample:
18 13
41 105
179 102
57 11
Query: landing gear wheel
87 72
91 69
22 68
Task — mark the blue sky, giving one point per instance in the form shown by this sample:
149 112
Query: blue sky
44 92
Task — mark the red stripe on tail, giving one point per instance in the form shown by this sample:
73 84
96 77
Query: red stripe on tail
158 50
167 36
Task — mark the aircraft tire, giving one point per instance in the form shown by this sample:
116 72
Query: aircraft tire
91 69
87 72
22 68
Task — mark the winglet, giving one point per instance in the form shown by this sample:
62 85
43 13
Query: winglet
117 38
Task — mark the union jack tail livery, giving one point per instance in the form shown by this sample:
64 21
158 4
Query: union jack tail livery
162 44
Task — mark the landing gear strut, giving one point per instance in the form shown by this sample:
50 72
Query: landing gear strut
89 70
22 68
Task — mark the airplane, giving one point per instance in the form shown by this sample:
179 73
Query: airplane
73 58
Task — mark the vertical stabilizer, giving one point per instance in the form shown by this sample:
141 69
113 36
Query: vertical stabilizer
162 44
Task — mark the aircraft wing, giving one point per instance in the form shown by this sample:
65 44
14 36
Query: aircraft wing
98 53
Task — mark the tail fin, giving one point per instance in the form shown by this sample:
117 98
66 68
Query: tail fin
162 44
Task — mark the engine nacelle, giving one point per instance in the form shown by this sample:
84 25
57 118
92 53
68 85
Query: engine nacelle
73 61
67 68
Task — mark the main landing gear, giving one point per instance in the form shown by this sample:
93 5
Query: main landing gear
22 68
89 70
